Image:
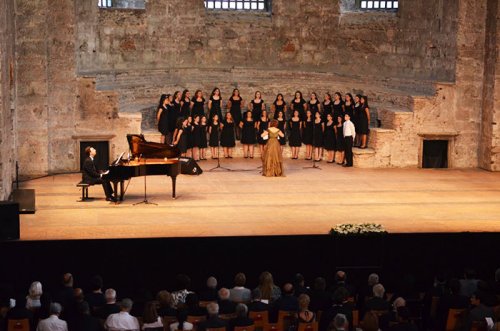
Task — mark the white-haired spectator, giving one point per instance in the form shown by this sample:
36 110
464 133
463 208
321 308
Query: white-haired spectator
110 307
241 318
213 321
340 323
377 302
34 293
226 306
239 293
373 279
122 320
53 323
398 302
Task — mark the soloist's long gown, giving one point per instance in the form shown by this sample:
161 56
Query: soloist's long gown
272 164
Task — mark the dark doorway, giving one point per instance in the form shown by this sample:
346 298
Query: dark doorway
435 154
101 158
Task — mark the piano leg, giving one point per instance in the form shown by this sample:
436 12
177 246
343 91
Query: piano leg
115 188
121 190
174 179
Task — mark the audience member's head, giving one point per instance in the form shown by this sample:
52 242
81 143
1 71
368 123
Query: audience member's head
55 309
183 282
340 295
84 308
378 290
212 282
399 302
165 299
340 276
110 296
319 284
150 314
241 310
240 279
299 280
96 283
340 322
213 309
78 294
126 305
224 294
35 291
304 301
67 280
373 279
288 289
370 322
266 284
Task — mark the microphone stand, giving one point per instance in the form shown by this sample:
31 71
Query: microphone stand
314 165
218 166
145 201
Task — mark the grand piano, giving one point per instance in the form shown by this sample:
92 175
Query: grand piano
147 159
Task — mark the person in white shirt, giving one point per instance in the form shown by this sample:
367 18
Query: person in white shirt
122 320
53 323
349 135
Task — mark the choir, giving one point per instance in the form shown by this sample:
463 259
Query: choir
329 129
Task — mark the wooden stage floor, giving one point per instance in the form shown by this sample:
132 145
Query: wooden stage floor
306 201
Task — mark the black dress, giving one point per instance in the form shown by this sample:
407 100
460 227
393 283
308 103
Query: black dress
299 106
163 122
294 140
318 134
329 137
186 108
198 107
227 138
248 133
203 136
215 109
235 110
196 135
214 135
337 111
355 116
263 125
182 144
307 137
176 106
171 118
362 127
340 141
349 109
257 110
314 107
189 136
328 109
281 126
277 109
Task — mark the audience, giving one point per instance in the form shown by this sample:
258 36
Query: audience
340 306
320 298
53 323
370 322
377 302
34 294
241 318
183 283
65 295
210 293
193 306
95 297
150 316
110 307
268 290
239 293
182 323
122 320
257 304
226 306
305 315
299 285
339 323
213 320
468 285
85 321
403 321
19 311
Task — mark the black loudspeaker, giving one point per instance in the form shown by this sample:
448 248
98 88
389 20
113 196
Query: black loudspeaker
26 200
9 222
189 166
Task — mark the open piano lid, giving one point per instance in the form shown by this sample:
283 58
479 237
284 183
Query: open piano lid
139 146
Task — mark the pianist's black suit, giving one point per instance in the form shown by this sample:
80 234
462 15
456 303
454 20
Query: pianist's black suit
90 175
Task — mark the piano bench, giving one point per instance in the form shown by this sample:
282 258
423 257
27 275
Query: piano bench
85 191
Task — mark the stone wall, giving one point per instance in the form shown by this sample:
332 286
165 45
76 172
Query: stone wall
7 98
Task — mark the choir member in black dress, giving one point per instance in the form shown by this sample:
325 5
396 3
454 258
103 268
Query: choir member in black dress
364 121
318 131
307 134
355 118
278 105
198 101
180 139
172 120
189 137
295 138
234 106
348 105
186 103
248 137
203 138
280 117
314 104
196 138
256 106
338 105
214 134
215 104
177 105
162 117
329 138
340 141
227 139
298 103
327 105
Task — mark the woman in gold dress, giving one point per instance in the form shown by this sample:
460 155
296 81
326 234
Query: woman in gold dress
272 162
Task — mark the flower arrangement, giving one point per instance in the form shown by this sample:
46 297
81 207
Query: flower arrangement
357 229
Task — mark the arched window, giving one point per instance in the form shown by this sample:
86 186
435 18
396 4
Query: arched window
244 5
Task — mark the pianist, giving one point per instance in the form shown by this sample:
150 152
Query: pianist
92 176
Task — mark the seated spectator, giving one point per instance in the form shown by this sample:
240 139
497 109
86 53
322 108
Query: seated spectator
95 297
305 315
287 301
479 311
403 321
392 316
53 323
72 312
182 323
110 307
365 293
150 318
468 285
241 318
166 304
377 302
210 293
182 289
340 323
239 293
299 285
340 306
65 295
86 322
34 294
454 300
370 322
257 304
122 320
19 312
226 306
341 281
320 299
193 306
488 297
268 291
213 320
